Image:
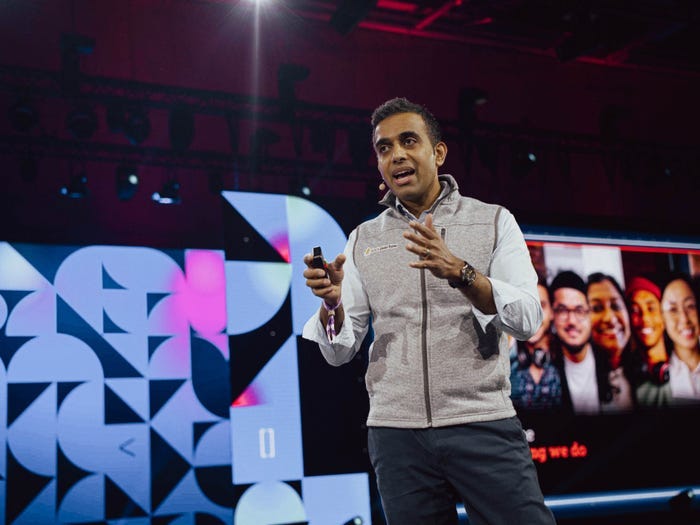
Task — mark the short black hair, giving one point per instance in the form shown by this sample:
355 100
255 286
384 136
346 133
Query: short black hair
403 105
567 279
599 277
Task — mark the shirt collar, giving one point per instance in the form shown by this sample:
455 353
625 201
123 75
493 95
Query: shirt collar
390 201
404 211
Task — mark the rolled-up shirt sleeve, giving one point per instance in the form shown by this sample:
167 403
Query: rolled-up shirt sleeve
347 341
514 283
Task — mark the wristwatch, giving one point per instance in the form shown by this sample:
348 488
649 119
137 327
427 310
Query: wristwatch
467 276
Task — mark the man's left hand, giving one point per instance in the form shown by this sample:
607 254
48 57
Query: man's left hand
432 251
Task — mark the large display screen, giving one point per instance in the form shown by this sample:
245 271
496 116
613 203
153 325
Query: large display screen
607 389
140 383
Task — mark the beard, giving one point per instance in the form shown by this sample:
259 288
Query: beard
573 349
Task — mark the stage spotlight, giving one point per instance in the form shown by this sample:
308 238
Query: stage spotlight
82 122
523 160
127 182
682 500
181 128
76 188
170 194
137 125
350 13
23 117
302 187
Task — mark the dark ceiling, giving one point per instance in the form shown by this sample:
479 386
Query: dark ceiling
649 34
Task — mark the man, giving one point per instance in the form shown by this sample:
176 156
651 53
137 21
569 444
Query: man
647 322
583 369
535 381
444 279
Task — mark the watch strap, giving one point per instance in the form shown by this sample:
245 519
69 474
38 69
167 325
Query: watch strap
467 277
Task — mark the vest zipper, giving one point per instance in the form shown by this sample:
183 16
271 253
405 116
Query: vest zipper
424 349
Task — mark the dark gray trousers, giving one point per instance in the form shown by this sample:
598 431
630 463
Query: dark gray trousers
423 473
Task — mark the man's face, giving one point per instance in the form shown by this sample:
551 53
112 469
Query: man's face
647 323
572 319
407 161
546 318
609 317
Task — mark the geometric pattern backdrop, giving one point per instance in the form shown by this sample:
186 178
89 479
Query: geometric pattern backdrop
119 401
269 303
114 385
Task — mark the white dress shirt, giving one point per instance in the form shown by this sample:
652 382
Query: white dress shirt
513 280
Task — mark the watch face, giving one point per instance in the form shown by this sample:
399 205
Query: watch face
468 274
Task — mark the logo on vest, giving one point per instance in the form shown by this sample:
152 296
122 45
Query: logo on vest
371 251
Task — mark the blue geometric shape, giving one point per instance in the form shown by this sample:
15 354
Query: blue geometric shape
108 283
160 390
167 469
250 352
9 346
152 299
20 396
164 520
21 488
215 483
109 326
271 430
13 297
200 518
309 225
117 411
154 341
270 502
69 322
210 377
46 259
118 504
244 242
67 475
198 430
255 291
63 388
348 492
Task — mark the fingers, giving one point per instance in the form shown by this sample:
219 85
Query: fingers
338 263
323 284
419 249
426 229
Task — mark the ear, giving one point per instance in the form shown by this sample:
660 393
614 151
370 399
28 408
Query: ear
440 153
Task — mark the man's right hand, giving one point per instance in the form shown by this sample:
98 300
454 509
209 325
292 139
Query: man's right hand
328 287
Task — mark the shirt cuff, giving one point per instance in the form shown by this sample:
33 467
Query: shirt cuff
316 332
503 295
